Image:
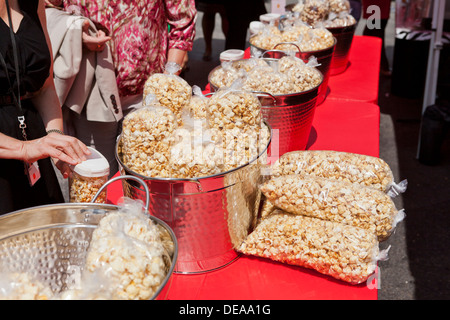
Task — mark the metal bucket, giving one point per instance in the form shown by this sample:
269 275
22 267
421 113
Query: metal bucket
210 215
290 115
344 37
50 242
323 57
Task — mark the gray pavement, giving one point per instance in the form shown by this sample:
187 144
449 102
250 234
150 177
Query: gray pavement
419 260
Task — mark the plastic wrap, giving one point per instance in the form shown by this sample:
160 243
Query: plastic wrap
171 90
147 136
304 76
351 167
334 200
314 11
341 251
128 258
231 107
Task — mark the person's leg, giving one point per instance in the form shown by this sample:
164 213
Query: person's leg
380 33
208 22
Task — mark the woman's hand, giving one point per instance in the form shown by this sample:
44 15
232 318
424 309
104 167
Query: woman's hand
92 43
65 151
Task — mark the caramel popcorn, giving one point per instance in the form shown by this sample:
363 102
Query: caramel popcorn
354 168
147 137
334 200
228 109
128 248
171 91
84 189
342 251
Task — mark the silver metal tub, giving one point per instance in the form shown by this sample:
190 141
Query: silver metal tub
51 242
344 37
210 215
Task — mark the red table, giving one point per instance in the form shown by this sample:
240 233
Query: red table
346 121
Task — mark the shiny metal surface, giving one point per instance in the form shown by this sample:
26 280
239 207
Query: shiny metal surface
290 115
210 216
51 242
323 56
344 38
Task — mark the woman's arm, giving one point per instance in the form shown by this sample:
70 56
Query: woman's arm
181 16
64 149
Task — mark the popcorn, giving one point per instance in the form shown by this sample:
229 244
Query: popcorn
314 11
338 6
21 286
84 189
171 91
342 251
127 247
287 75
229 109
334 200
306 38
147 137
303 76
354 168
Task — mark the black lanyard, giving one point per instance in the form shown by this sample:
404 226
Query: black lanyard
17 102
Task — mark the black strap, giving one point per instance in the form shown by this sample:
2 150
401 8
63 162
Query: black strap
17 102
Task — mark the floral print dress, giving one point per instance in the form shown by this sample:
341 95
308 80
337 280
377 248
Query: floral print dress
140 33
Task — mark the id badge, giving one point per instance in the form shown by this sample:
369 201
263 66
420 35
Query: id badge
33 173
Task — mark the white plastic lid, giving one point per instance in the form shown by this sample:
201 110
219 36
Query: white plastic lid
232 55
268 17
95 165
256 26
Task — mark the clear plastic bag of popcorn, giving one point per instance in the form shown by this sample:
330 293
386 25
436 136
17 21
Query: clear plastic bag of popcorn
318 38
147 136
197 104
243 146
268 79
171 90
139 263
88 177
295 31
195 153
304 76
338 6
341 251
225 75
341 19
335 200
267 38
314 11
232 107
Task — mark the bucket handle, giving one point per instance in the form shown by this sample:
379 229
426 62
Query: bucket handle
258 93
291 43
147 192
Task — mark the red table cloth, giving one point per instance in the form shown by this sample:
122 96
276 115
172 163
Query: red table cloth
347 120
338 125
359 82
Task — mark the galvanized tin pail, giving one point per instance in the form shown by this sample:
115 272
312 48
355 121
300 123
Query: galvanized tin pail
290 117
323 57
344 37
50 242
210 215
